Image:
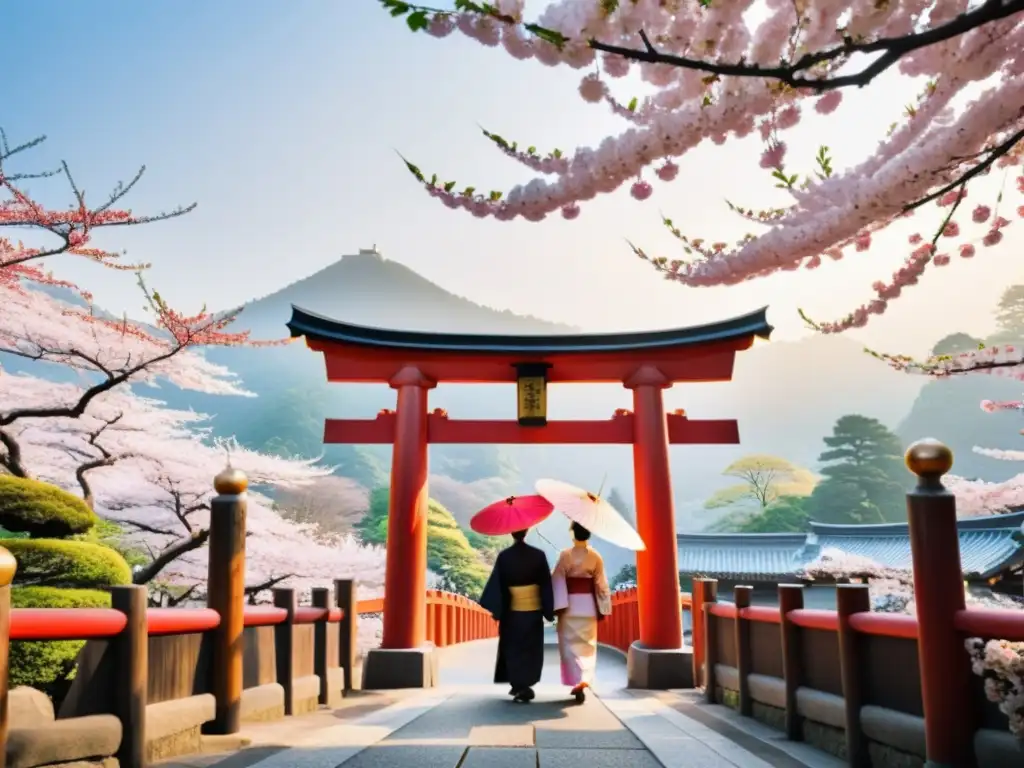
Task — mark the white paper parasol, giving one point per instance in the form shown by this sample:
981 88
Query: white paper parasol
592 512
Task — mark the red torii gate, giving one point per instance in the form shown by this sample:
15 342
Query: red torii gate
414 362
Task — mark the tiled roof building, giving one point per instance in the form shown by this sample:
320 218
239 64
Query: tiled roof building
988 546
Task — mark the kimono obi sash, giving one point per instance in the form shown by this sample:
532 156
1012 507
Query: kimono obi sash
579 585
525 598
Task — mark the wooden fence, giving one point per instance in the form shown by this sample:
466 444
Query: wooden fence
877 689
147 686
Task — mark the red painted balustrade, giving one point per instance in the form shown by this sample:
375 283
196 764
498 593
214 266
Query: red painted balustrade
870 663
622 628
327 645
451 619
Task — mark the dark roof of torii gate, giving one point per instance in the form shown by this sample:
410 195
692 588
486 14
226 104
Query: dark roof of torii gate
311 325
362 353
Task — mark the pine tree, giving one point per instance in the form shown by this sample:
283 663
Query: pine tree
1010 316
865 480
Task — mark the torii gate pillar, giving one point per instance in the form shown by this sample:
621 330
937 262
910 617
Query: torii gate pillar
657 659
404 660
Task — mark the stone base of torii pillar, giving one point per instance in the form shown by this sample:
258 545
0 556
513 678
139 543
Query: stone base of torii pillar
657 669
391 668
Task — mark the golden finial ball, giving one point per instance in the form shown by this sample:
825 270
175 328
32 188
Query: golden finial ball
929 457
8 566
231 482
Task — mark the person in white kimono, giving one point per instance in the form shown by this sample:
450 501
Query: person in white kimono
582 598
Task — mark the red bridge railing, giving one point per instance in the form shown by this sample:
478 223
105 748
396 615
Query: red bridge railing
451 619
877 689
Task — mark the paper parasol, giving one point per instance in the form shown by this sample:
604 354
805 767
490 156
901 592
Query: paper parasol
592 512
516 513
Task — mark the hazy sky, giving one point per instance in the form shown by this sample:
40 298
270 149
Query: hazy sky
282 121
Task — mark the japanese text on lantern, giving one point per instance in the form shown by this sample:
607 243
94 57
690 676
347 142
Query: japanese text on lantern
532 400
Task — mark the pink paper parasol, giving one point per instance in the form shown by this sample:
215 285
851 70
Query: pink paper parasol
516 513
592 512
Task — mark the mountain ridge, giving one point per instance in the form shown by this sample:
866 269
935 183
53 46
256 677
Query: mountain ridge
382 278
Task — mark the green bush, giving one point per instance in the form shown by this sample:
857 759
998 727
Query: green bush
109 534
49 666
71 564
42 510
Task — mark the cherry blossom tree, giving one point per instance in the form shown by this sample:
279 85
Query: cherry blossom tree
726 70
149 468
144 465
108 352
892 589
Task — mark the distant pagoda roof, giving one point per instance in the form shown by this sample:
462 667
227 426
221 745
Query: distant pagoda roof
988 546
314 326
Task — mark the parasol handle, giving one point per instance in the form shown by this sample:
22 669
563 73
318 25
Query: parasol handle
545 539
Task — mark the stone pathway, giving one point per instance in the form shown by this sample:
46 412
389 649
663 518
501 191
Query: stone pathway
470 723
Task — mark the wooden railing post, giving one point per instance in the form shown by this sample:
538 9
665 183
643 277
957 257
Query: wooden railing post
225 593
441 620
284 645
8 567
452 620
742 598
131 650
939 595
710 639
791 598
699 596
320 597
851 599
431 618
345 597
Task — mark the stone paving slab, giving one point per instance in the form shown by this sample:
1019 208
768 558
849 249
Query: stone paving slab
407 756
499 757
596 758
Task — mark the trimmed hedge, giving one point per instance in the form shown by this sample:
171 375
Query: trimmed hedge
69 564
49 666
42 510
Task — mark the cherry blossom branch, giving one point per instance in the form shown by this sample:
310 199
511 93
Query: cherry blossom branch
994 154
106 459
169 554
72 227
892 49
11 458
173 601
252 592
915 265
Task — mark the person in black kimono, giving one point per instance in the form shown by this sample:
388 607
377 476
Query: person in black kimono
519 596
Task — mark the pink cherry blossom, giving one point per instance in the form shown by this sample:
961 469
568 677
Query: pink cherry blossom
641 190
668 171
949 126
788 117
992 237
828 103
592 89
773 155
570 211
952 196
967 251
